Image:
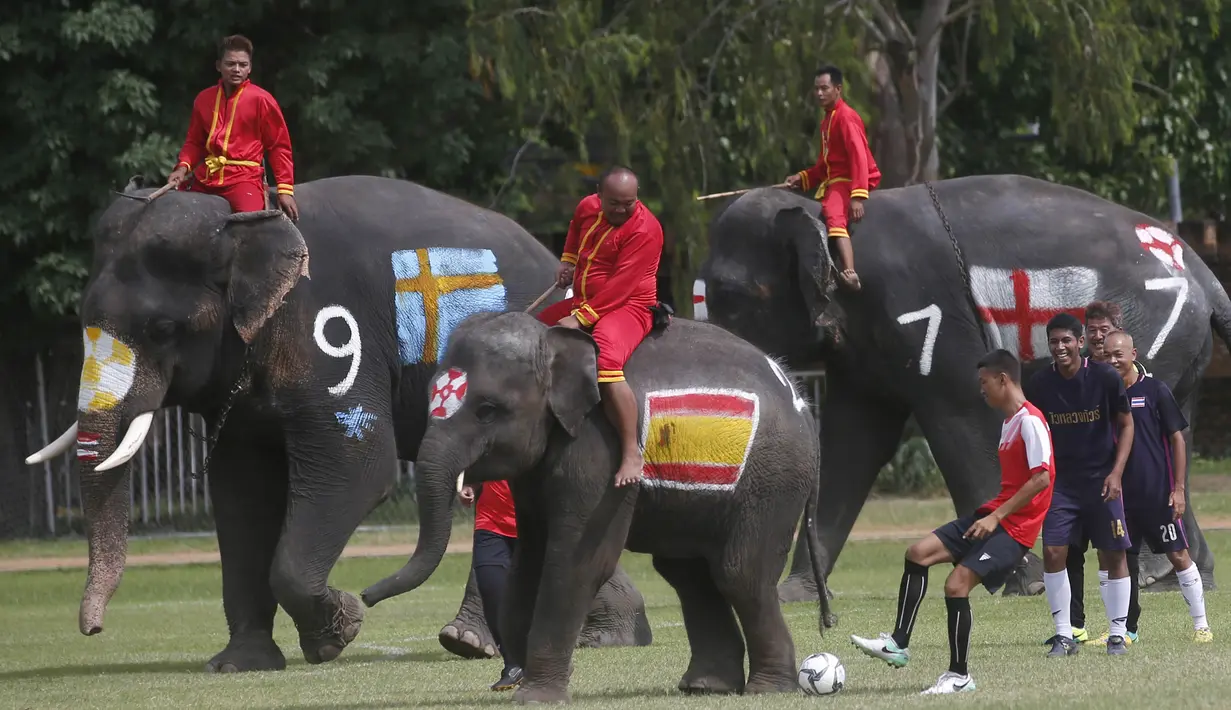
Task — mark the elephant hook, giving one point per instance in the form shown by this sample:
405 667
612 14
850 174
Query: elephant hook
147 198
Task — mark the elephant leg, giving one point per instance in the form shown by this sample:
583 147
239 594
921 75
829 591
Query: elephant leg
336 479
859 435
617 616
521 590
247 485
467 635
717 664
582 550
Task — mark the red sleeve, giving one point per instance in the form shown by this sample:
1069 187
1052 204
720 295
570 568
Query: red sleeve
573 241
276 140
193 151
811 177
856 143
638 261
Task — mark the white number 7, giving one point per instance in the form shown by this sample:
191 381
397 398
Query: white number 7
1179 284
932 314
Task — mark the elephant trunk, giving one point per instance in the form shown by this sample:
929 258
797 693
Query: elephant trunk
104 493
435 479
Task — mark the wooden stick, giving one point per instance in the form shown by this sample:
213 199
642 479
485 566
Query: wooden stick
542 298
738 192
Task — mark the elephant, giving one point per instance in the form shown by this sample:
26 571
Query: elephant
312 374
731 453
950 270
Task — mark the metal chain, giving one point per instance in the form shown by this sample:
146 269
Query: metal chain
241 383
961 265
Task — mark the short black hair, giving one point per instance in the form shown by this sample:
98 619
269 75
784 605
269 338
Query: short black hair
612 172
1068 322
835 74
1002 362
234 43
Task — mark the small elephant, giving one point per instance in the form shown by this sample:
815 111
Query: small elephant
337 320
731 453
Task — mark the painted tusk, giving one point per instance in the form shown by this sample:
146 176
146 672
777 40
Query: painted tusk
460 478
55 448
133 439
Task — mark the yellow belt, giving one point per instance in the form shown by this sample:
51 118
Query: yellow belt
215 163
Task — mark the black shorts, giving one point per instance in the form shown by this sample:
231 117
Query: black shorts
492 550
992 558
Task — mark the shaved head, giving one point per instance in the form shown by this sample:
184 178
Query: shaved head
617 191
1120 354
1119 337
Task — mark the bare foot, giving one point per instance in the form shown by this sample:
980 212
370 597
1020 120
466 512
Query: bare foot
630 470
850 279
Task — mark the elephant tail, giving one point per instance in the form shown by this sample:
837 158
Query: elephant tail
827 620
1220 319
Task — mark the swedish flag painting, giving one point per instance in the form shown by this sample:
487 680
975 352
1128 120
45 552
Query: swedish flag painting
435 289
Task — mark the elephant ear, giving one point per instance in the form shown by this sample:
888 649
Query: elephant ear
268 255
807 234
573 389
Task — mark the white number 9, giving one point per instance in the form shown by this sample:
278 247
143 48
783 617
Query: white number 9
352 348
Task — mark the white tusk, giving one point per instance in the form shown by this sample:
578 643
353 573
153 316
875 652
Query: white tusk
460 476
133 439
55 448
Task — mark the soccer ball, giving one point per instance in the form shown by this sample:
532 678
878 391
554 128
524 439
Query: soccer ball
821 674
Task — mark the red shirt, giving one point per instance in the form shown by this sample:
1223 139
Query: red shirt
227 138
616 266
845 155
494 509
1025 449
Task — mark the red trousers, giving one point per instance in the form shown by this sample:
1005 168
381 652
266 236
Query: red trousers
242 196
836 205
618 334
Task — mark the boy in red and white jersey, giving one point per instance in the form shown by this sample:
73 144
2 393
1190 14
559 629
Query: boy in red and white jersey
986 546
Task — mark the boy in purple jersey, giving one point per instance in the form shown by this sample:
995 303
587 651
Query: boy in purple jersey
1092 432
1155 474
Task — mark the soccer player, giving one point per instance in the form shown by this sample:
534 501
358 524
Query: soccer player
1155 475
986 546
1088 413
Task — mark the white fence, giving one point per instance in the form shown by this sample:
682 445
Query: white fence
162 488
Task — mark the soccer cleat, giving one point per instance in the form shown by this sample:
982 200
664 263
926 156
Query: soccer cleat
1203 636
1062 646
511 678
1130 638
1116 646
951 682
884 648
1079 636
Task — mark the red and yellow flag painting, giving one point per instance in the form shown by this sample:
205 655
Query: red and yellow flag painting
698 439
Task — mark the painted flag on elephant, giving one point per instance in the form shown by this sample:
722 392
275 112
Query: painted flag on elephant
697 439
1015 304
434 290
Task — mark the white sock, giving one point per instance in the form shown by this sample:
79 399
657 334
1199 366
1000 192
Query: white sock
1059 596
1115 593
1194 593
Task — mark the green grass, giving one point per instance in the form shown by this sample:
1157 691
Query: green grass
165 622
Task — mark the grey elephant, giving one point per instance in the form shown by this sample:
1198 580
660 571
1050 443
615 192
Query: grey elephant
731 459
321 366
949 271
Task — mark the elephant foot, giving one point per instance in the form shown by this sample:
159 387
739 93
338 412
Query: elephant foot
798 588
254 653
608 630
760 684
1026 579
712 683
536 695
465 641
327 644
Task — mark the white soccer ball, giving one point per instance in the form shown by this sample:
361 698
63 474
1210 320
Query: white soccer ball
821 674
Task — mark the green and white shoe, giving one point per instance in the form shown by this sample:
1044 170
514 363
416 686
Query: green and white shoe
884 648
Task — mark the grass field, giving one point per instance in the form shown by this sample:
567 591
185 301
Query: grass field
166 621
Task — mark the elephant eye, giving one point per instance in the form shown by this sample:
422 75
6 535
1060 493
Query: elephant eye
487 412
160 330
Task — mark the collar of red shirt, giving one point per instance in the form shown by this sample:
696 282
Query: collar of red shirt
837 105
242 84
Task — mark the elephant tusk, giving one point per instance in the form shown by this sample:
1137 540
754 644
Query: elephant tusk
133 439
460 481
55 448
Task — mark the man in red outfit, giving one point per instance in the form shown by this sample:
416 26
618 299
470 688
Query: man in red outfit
611 259
845 170
495 540
233 125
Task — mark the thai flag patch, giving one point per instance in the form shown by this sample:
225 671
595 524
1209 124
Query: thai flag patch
1138 402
